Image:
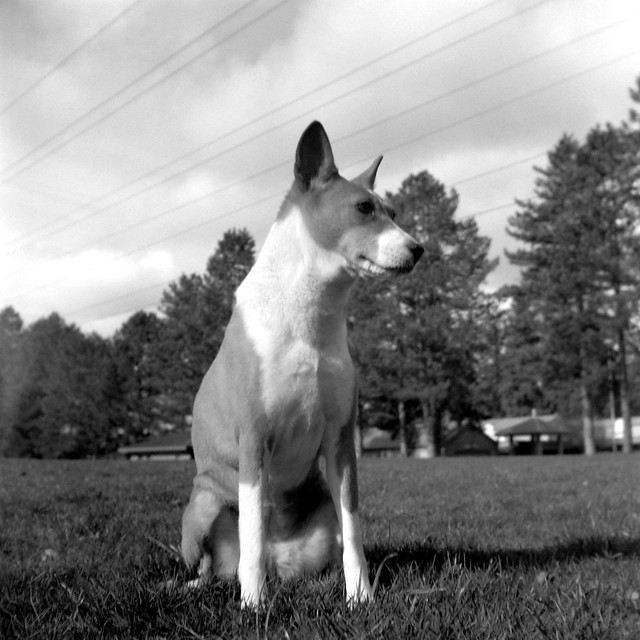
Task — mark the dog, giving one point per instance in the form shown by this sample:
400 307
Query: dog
281 393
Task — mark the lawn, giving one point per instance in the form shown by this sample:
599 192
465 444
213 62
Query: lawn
507 547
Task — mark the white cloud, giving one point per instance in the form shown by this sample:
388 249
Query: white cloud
108 257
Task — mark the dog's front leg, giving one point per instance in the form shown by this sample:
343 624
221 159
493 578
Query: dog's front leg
251 567
343 484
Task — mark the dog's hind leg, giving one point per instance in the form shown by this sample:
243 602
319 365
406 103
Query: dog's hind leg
209 532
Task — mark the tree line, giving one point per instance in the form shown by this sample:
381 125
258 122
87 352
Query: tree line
432 349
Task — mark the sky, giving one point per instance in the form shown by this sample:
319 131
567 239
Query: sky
133 134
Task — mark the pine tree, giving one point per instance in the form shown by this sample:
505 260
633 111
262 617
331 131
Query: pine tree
613 159
416 336
196 311
557 272
67 406
11 369
580 262
135 347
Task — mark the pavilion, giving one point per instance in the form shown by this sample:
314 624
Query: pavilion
537 428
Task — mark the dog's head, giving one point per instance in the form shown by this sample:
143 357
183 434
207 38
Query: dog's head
346 217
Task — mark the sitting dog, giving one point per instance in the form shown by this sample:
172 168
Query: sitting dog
281 392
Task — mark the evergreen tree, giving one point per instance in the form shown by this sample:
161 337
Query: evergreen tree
135 348
580 265
197 309
68 406
557 272
612 156
417 335
11 369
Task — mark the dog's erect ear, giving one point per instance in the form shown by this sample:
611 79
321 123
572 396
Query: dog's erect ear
368 178
314 158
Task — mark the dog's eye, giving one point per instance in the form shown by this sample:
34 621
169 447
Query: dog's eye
366 207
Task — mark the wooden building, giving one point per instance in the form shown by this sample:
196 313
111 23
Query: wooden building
175 445
468 441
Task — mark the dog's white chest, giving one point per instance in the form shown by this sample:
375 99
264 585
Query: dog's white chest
304 390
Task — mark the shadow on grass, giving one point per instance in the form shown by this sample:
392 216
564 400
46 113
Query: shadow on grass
425 557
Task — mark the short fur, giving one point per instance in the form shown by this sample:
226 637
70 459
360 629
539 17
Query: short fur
281 393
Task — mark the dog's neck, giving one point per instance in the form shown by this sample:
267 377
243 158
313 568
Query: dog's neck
297 284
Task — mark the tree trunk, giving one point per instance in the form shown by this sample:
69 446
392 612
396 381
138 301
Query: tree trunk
627 445
612 404
427 439
402 422
357 436
587 417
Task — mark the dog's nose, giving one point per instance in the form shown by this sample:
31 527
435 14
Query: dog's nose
417 252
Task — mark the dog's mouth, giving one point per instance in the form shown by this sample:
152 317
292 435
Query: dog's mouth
369 267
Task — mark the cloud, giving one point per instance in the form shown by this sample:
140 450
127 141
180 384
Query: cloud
467 90
78 285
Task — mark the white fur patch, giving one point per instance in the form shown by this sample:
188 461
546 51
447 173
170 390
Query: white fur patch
306 373
392 251
251 568
356 574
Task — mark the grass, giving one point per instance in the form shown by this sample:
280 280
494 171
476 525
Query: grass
496 548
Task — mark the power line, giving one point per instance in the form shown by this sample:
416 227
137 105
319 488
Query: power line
130 100
481 113
354 133
517 98
297 117
162 240
509 165
163 283
412 140
64 61
243 126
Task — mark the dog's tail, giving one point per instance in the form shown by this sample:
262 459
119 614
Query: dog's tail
314 547
302 531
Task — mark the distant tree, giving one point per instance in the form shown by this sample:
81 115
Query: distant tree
11 369
612 156
520 357
226 269
68 406
196 310
135 348
557 274
489 399
417 335
579 262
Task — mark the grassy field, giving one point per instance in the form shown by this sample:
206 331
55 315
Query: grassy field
491 548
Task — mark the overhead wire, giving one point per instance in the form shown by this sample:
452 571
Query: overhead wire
352 134
68 58
165 282
410 141
263 116
476 214
281 194
57 147
407 142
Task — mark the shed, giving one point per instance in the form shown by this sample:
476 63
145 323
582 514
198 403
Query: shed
469 441
170 446
379 443
535 430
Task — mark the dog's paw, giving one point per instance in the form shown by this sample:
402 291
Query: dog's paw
250 599
362 594
251 589
357 583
